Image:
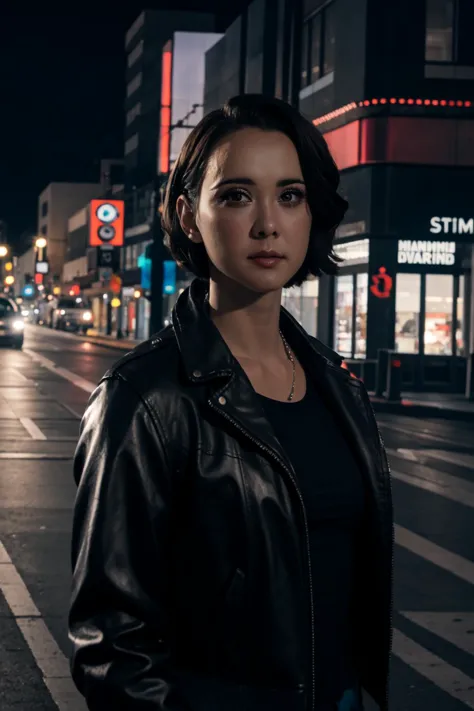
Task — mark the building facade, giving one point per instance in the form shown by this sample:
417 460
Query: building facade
55 205
390 84
164 96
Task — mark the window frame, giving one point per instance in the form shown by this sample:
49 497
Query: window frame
454 38
306 52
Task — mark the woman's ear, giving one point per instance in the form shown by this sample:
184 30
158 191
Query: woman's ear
187 219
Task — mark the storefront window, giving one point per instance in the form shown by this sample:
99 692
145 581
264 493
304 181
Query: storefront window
460 320
407 325
439 314
362 281
343 315
302 303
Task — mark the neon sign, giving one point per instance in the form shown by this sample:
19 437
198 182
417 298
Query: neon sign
382 284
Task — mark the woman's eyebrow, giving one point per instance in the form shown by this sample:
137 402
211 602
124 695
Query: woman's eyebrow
248 181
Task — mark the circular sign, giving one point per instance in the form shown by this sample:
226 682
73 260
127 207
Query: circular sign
107 212
106 233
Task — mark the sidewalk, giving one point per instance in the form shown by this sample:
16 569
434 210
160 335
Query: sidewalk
125 344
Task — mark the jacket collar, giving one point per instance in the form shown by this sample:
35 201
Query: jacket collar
206 357
204 352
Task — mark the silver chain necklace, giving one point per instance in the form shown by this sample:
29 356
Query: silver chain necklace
291 358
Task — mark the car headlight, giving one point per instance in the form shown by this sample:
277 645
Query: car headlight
18 325
87 316
62 312
25 312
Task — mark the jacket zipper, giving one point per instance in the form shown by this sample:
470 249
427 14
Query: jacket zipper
308 550
387 687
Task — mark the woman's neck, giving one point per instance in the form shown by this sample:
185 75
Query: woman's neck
249 323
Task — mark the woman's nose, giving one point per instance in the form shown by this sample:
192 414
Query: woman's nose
265 224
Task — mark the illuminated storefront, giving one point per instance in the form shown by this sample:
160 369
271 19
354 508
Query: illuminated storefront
406 287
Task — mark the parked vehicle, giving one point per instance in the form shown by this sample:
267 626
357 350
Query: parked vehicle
70 314
12 324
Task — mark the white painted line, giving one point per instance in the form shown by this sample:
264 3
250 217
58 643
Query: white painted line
76 380
46 652
32 429
459 458
451 562
451 487
20 375
455 627
418 433
446 677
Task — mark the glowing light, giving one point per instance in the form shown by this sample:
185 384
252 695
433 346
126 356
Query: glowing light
393 101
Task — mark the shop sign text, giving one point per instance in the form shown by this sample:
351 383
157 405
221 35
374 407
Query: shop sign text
452 225
426 252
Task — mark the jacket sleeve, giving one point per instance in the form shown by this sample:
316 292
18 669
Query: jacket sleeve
118 620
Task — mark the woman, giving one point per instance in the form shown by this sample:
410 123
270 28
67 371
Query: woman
232 542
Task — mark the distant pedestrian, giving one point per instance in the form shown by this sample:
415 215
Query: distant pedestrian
232 539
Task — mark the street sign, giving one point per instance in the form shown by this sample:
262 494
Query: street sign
106 224
41 267
108 257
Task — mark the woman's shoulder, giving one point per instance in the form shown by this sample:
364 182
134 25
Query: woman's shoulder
152 365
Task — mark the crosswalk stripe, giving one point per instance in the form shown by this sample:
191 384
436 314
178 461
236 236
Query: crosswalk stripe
459 458
451 562
457 628
451 487
446 677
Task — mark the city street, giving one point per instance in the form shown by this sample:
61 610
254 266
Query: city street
43 393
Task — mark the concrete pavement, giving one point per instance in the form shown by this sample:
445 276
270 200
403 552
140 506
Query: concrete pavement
43 393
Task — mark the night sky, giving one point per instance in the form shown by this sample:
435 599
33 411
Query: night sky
62 89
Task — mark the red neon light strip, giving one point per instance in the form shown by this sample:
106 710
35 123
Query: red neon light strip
165 113
402 101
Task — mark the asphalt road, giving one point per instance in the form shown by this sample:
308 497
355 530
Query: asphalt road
43 393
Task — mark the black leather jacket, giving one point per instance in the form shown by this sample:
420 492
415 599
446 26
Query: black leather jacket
192 580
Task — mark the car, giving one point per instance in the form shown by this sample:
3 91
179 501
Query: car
12 323
71 314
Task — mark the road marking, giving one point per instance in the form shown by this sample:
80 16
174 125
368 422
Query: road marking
455 627
20 375
76 380
32 429
46 652
446 677
35 455
451 487
458 458
451 562
418 433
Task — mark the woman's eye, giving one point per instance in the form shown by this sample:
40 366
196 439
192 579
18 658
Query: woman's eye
292 197
234 196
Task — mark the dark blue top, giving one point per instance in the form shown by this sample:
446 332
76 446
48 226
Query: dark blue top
331 484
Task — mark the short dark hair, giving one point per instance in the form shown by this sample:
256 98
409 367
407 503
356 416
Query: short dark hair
320 173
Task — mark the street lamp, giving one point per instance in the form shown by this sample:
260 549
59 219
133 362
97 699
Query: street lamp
3 250
41 243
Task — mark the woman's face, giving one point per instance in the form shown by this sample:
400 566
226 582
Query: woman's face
253 200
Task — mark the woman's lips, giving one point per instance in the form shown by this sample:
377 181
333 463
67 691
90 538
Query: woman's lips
267 262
